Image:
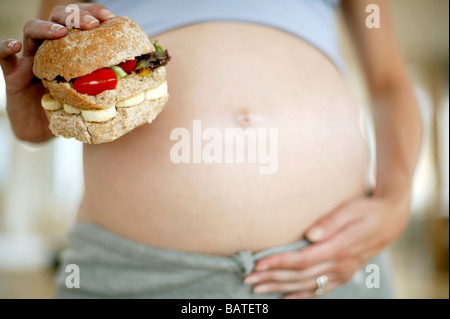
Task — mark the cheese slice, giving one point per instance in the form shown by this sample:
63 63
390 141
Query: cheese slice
71 110
50 104
156 93
135 100
99 115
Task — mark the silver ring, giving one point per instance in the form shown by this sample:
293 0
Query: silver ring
322 282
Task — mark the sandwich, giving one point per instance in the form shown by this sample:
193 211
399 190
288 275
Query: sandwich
102 83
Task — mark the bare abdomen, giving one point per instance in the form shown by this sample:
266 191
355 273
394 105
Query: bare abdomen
227 76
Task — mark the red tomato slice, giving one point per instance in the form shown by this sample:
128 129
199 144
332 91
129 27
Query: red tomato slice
96 82
128 66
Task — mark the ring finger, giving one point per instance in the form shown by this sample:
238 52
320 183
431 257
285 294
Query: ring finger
302 286
260 277
308 294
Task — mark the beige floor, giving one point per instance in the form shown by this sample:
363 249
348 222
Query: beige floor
415 271
420 260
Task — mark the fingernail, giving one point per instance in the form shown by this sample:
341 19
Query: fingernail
261 267
261 289
315 234
12 43
107 14
90 19
250 280
56 27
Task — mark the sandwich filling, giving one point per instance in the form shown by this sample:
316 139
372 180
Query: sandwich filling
49 103
104 88
107 78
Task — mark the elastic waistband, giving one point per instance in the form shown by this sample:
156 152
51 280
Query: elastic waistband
96 241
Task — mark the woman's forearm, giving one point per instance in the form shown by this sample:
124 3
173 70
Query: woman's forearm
396 114
398 129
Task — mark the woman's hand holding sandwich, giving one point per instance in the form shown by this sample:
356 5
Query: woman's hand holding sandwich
23 90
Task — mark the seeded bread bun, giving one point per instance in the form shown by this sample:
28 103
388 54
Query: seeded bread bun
82 52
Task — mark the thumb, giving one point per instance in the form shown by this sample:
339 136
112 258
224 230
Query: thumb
328 225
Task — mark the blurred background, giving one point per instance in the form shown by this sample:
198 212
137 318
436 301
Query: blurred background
41 185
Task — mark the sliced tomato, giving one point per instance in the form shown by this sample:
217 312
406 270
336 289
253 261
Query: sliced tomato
96 82
128 66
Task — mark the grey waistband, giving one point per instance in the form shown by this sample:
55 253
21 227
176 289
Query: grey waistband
111 266
99 240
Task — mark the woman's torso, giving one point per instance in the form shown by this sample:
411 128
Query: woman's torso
232 75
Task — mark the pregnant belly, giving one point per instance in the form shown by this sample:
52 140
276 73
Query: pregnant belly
179 183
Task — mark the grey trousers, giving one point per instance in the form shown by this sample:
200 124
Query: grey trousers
110 266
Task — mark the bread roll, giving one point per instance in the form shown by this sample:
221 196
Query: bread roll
59 62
